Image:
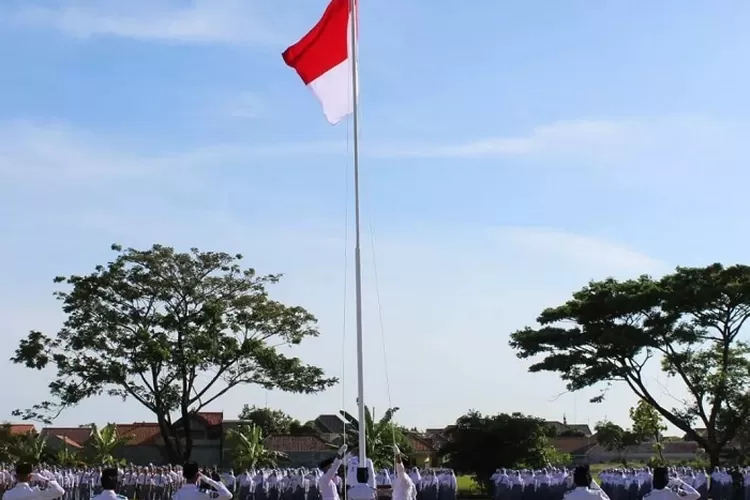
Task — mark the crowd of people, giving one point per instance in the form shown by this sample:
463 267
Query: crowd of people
623 484
168 482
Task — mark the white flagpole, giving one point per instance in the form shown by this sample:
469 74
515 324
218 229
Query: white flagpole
357 250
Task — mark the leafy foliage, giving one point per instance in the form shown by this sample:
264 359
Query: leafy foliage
380 436
249 450
272 421
173 331
28 447
614 438
103 443
611 330
648 424
478 444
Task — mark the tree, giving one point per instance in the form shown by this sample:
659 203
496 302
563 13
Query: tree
173 331
380 436
614 438
648 425
688 320
249 449
270 421
479 444
103 443
29 447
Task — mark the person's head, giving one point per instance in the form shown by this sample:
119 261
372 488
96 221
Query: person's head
109 479
582 476
325 464
661 478
190 472
23 472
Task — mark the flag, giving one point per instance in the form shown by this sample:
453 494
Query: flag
323 57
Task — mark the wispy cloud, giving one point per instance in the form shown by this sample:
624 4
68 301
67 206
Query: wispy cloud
55 152
669 142
196 21
644 149
589 251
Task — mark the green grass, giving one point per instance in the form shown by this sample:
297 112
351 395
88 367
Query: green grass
466 483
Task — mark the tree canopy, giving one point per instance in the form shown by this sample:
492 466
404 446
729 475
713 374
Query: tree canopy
478 444
271 421
172 331
688 321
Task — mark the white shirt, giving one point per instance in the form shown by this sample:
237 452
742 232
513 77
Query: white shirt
190 491
403 486
22 491
109 495
584 493
326 483
667 494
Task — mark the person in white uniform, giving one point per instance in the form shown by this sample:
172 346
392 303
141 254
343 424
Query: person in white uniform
665 488
22 490
403 486
109 484
585 487
193 479
330 467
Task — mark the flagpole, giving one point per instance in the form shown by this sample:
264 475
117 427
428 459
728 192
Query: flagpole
357 249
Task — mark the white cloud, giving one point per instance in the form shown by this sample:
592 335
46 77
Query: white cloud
668 143
590 252
54 152
196 21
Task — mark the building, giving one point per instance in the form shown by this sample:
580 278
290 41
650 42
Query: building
209 431
588 450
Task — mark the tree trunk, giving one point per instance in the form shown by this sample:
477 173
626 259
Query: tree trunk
171 445
713 457
188 432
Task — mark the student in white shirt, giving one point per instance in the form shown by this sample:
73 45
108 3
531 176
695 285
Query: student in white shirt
22 490
403 486
108 484
663 488
585 487
326 483
193 478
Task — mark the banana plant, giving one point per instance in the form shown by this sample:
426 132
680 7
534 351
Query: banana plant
103 443
29 448
249 450
380 436
67 458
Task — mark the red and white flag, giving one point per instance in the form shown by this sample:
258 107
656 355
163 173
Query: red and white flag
323 58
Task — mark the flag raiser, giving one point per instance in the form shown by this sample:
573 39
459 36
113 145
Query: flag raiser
323 58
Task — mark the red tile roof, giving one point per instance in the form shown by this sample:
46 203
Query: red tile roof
78 435
419 444
290 444
66 441
138 433
212 417
22 428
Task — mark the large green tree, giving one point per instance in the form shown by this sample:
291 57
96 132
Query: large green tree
478 444
172 331
689 321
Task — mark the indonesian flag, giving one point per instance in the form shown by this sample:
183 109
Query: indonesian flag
323 57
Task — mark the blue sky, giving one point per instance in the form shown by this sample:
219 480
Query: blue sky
512 151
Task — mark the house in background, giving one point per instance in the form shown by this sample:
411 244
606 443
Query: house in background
209 432
564 427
